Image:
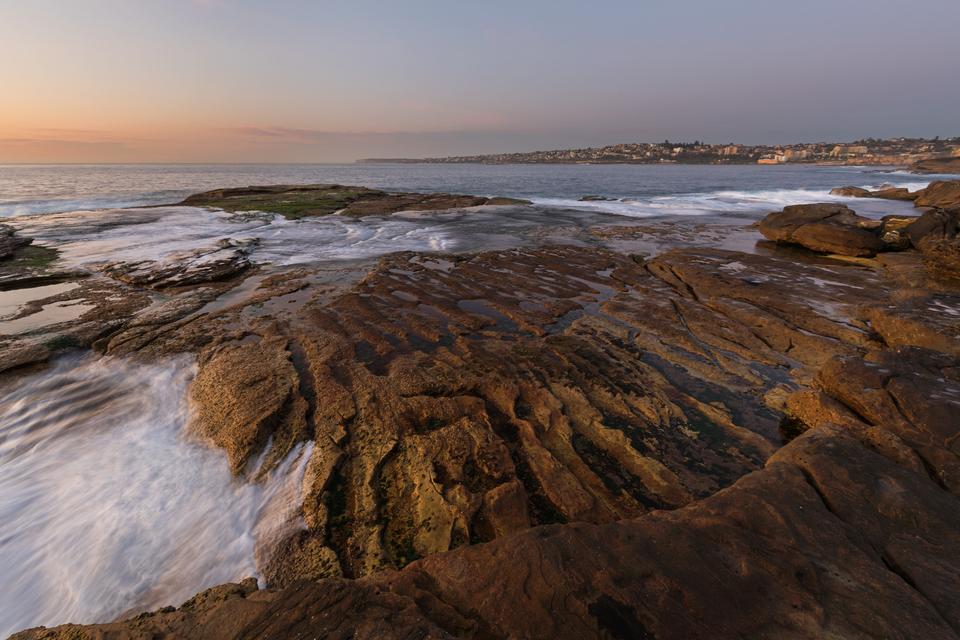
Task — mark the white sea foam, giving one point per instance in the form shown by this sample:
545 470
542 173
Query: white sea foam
85 238
106 505
726 201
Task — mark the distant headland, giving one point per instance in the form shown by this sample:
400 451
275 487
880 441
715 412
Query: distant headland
871 151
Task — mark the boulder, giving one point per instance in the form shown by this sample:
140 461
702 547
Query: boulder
933 225
825 228
893 232
935 234
943 194
893 193
886 192
850 192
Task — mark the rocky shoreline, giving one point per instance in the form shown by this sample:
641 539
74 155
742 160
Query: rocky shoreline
568 440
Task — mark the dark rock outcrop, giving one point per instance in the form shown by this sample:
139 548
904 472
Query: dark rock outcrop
935 235
10 241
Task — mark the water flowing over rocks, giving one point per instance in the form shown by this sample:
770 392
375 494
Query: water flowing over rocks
575 442
226 259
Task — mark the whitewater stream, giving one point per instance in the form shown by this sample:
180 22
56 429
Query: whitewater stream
109 506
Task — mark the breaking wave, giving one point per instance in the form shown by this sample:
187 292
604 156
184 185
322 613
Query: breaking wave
720 202
108 507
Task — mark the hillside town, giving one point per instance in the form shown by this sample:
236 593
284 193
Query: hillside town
871 151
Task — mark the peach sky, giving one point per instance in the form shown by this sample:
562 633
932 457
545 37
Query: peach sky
252 81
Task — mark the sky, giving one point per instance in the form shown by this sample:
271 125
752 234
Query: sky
331 81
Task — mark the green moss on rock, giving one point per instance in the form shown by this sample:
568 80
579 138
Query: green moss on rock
300 201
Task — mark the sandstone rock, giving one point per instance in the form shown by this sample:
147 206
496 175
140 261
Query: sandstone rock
931 321
245 395
410 202
826 228
944 194
885 192
894 193
87 309
935 224
595 199
893 232
515 429
454 400
635 411
301 556
896 392
942 258
831 539
502 201
851 192
935 234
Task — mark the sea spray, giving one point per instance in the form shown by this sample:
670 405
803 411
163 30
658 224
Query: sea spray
108 506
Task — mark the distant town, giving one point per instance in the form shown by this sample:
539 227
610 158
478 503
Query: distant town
894 151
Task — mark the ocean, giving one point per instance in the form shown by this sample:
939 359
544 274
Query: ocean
640 190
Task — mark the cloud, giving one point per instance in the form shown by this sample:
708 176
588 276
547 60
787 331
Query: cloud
250 131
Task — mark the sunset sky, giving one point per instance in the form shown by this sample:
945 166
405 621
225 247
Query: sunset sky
249 81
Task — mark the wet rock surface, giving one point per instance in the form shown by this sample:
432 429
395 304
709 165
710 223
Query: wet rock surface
578 442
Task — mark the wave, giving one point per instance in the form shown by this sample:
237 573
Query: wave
718 202
107 506
91 203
